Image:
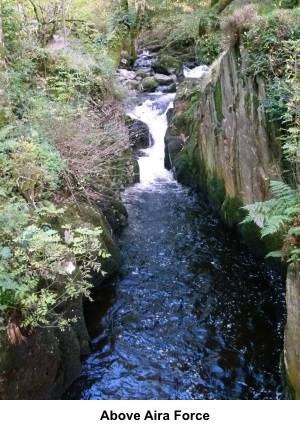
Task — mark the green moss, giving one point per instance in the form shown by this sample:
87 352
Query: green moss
149 83
216 190
3 118
32 369
218 101
256 102
231 210
70 349
167 64
116 43
289 4
260 246
184 120
182 169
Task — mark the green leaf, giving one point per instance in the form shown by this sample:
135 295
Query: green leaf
6 283
294 230
6 253
3 192
275 254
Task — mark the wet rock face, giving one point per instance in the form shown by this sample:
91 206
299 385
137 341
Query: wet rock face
292 333
229 149
46 364
32 369
139 134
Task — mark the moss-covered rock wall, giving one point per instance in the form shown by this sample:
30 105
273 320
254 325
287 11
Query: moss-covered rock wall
292 333
220 140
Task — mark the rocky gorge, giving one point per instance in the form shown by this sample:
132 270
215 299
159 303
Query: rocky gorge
219 141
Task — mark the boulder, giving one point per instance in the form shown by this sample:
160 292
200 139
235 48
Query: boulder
132 84
142 73
139 134
169 88
169 114
148 84
173 146
126 74
167 65
164 79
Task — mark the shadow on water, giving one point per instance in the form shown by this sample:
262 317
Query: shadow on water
192 315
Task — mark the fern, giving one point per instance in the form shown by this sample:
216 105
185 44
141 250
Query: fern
274 224
281 214
294 231
283 191
277 215
276 254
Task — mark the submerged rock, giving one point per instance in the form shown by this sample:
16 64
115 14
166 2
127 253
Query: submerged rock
168 89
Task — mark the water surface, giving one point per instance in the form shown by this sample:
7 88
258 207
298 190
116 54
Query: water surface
192 315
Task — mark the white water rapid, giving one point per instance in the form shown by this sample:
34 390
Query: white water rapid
196 72
153 113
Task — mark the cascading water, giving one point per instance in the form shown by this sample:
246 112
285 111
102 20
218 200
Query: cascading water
153 114
196 72
193 315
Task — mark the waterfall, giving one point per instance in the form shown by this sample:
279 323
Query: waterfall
153 113
196 72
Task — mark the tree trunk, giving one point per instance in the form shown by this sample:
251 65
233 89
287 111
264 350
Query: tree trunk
124 36
220 5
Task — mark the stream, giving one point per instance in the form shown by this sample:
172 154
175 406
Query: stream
193 314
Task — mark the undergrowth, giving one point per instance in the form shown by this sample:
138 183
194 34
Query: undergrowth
61 144
273 49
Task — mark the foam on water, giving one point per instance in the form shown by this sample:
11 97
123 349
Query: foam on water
153 113
196 72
